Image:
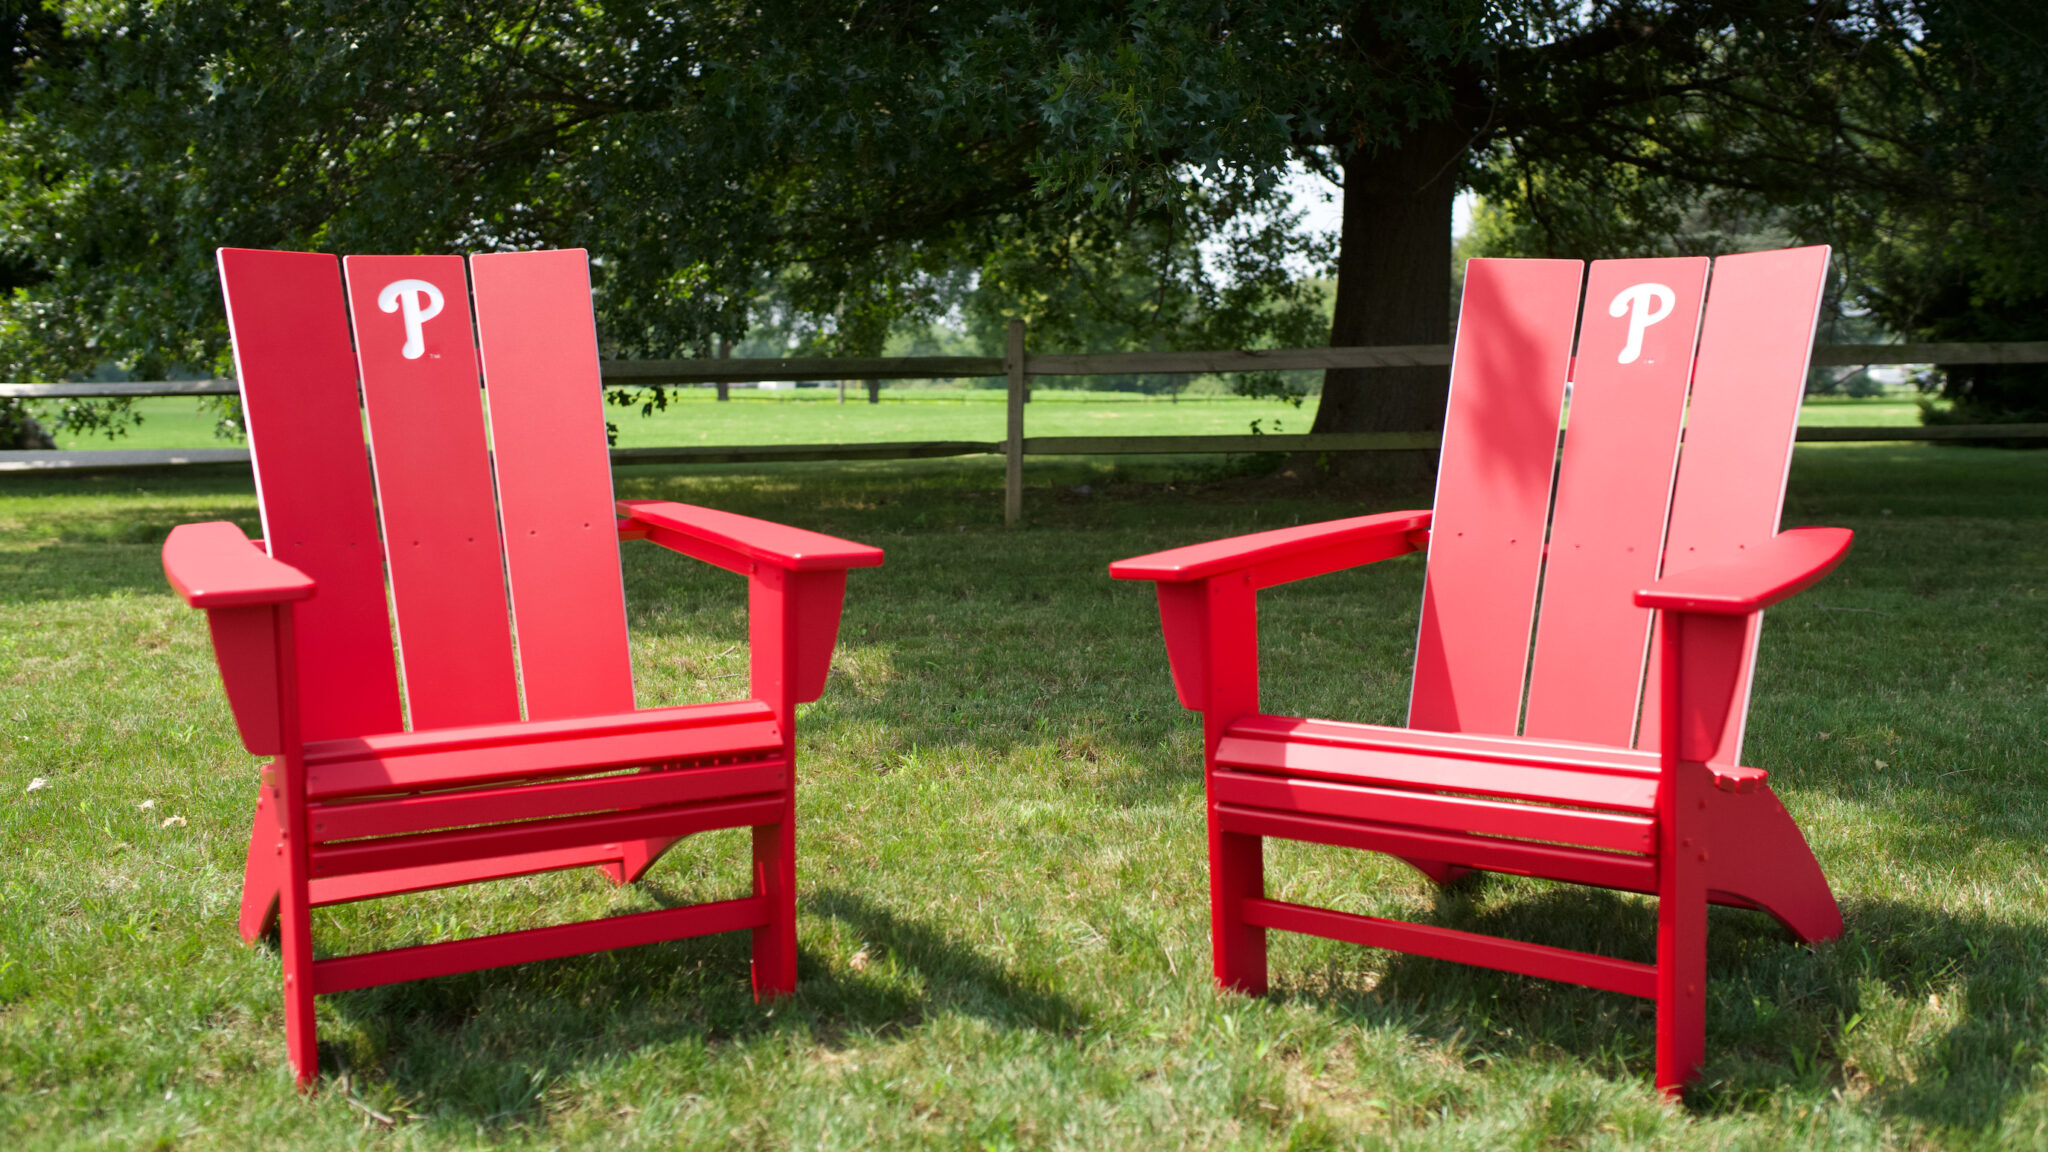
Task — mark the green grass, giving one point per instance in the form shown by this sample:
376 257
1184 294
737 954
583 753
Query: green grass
1880 411
1003 921
813 416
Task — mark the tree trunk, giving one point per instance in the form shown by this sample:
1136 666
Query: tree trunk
1394 287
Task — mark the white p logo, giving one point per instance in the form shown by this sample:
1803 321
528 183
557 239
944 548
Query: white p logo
1645 303
421 302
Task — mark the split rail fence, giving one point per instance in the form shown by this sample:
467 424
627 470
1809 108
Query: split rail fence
1019 367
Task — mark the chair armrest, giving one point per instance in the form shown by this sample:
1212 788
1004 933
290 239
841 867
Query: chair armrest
247 596
796 585
735 542
1208 614
1785 564
1285 554
1706 631
213 565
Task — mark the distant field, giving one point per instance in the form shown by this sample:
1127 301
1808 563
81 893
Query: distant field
813 416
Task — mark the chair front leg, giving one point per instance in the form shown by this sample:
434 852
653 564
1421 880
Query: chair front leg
1701 665
792 620
1681 952
775 883
285 785
1237 872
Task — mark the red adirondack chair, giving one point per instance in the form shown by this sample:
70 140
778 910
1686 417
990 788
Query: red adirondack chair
1572 781
517 759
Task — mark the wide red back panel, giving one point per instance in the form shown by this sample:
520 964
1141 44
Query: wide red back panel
298 379
539 344
417 352
1750 375
1629 382
1493 493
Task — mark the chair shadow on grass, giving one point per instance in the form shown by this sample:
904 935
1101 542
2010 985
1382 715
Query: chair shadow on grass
486 1047
1851 1014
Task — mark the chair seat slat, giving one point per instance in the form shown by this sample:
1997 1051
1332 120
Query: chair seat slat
1588 866
1463 814
440 810
401 881
480 756
432 848
1461 745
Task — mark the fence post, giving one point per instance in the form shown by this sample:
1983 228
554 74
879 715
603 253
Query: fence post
724 353
1013 444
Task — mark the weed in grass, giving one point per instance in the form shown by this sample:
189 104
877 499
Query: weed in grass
1004 917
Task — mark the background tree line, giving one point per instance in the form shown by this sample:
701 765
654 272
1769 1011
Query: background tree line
1109 172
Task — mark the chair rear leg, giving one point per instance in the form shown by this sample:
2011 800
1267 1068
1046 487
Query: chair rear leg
775 883
1237 872
1771 866
262 872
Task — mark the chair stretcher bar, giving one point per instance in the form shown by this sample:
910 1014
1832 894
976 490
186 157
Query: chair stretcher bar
1547 861
1604 972
398 965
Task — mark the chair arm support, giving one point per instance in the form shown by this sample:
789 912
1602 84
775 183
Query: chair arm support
248 598
738 543
1285 554
1207 610
213 565
1785 564
1706 626
796 586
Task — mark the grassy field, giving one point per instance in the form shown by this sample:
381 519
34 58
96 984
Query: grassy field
813 416
1003 914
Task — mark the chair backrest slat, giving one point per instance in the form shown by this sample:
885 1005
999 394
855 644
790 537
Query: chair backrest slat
539 347
422 394
298 386
1493 493
1748 379
1635 358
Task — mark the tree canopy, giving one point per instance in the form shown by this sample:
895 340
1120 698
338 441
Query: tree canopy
876 156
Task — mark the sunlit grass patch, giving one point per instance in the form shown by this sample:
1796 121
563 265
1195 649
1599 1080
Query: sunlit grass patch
1003 922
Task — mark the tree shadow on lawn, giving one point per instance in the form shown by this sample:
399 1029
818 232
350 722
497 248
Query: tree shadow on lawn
1927 1015
486 1047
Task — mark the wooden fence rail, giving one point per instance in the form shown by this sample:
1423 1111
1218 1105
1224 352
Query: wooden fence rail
1017 368
629 373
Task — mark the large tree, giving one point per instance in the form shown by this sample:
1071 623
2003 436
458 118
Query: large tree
868 151
1916 146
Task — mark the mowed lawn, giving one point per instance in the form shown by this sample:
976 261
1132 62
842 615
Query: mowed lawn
1004 919
814 416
